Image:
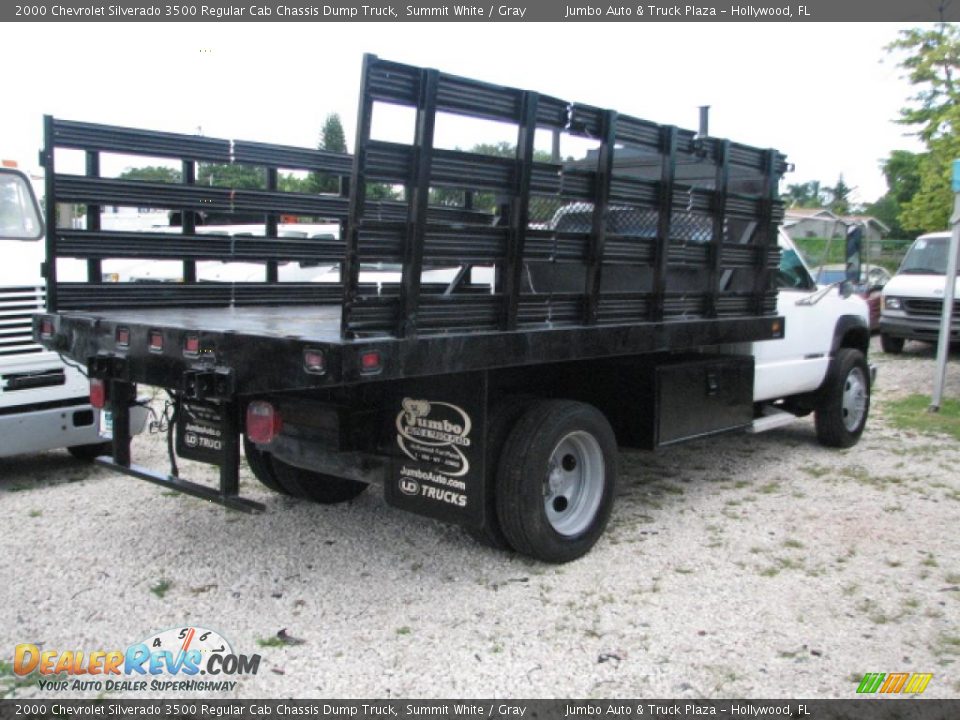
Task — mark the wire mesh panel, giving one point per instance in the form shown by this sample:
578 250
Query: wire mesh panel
649 223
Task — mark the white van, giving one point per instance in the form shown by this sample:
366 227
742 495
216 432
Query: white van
913 299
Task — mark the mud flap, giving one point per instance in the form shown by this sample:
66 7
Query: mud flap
200 432
436 441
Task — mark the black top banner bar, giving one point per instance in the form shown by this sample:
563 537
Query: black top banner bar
911 11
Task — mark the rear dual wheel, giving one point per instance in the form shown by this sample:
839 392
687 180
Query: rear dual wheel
555 480
286 479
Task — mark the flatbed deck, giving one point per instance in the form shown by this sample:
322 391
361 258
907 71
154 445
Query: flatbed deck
309 323
263 347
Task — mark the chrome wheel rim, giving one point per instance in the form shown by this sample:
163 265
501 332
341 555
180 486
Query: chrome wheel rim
854 404
573 487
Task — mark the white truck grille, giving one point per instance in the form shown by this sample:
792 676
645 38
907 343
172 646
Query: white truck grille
17 305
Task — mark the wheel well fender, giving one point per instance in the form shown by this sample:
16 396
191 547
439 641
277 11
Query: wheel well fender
851 331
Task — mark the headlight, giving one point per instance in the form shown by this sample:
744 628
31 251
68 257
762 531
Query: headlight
110 277
892 303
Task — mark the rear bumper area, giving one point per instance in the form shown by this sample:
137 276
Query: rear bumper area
47 429
927 329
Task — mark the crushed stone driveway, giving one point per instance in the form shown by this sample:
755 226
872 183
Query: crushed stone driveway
743 566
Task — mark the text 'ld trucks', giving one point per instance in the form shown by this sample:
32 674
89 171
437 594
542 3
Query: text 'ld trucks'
533 312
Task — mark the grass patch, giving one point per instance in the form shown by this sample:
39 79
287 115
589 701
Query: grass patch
161 588
270 642
405 630
36 513
791 543
948 645
821 251
910 413
769 488
10 682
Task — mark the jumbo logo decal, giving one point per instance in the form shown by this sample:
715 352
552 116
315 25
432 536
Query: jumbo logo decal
434 433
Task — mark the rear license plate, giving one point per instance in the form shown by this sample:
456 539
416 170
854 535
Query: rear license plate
200 432
105 427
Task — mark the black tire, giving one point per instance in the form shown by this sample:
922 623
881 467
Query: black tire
503 416
524 490
891 345
290 480
88 453
844 403
261 467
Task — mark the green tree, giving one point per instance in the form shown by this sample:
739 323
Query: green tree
902 173
839 196
246 177
931 58
151 173
805 195
332 139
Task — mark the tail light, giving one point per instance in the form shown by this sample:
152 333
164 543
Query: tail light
46 329
263 422
191 345
370 362
98 393
314 361
156 341
123 337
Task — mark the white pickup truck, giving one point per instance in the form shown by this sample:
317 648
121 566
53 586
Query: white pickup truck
820 364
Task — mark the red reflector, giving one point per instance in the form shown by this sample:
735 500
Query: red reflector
370 361
98 393
191 346
263 422
123 337
156 341
313 361
46 328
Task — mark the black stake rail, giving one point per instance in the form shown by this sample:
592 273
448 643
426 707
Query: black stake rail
653 224
700 208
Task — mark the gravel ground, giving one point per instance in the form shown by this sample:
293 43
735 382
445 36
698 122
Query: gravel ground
754 566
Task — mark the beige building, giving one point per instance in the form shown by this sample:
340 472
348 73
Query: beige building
820 222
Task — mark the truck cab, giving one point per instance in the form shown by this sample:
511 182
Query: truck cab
44 402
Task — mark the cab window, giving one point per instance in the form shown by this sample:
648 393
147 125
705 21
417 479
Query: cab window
792 273
19 214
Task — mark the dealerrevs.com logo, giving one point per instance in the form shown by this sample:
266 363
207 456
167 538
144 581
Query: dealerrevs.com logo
179 659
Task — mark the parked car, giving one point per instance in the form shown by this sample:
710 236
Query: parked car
873 278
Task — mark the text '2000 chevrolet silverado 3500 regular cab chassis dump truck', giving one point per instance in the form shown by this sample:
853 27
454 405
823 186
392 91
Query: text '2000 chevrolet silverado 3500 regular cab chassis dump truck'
636 300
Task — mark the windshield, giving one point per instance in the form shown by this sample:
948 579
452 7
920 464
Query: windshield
19 214
927 256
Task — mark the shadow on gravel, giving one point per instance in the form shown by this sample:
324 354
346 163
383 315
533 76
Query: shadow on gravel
28 472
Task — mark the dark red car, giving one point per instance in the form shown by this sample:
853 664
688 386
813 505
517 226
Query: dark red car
872 280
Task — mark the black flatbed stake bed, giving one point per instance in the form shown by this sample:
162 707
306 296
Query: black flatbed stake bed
598 280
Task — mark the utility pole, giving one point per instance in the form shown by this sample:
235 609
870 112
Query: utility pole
950 282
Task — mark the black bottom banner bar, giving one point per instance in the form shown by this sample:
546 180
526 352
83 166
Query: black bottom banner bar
893 708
